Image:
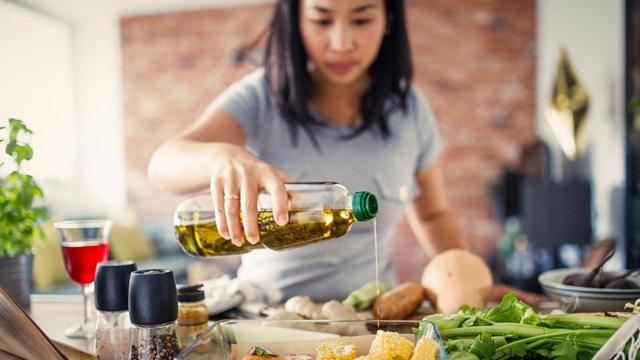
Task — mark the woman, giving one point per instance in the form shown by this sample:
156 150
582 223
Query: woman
333 101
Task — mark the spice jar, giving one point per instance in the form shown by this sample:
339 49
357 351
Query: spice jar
193 315
153 310
111 299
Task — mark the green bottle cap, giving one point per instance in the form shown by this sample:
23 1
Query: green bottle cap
365 205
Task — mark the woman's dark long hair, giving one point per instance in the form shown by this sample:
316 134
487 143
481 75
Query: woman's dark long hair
285 63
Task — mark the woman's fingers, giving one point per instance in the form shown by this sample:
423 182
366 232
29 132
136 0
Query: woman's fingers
232 211
249 207
235 195
217 192
275 187
284 177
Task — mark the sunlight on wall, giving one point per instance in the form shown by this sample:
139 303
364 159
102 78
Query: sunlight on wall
93 182
37 87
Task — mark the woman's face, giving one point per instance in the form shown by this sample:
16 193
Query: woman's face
342 37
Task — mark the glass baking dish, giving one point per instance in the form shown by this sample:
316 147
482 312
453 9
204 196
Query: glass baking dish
231 339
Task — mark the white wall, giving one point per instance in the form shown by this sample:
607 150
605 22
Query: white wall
142 7
37 87
97 184
97 174
592 31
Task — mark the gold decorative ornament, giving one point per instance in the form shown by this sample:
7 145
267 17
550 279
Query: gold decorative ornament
566 113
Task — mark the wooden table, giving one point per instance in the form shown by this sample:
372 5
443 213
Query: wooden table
55 313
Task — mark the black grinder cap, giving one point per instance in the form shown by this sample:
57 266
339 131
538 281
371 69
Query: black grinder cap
152 297
112 285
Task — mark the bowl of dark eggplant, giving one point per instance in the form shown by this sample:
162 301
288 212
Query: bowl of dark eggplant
592 290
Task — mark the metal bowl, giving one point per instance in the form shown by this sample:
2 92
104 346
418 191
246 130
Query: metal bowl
585 299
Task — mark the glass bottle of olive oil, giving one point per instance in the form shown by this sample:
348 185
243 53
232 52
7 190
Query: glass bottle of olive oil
317 212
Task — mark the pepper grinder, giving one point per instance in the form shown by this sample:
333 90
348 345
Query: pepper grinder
153 310
111 299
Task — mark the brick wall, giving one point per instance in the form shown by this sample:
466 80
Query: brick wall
474 60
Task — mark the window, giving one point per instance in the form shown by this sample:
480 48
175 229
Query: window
37 86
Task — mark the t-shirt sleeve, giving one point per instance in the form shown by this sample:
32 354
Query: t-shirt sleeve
244 101
428 136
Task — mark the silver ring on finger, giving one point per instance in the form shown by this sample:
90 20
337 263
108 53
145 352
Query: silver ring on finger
231 197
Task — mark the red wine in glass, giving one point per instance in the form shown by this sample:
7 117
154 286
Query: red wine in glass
82 257
84 244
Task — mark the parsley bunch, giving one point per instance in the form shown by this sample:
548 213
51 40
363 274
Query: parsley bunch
19 218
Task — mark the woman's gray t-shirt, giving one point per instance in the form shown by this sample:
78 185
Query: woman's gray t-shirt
387 168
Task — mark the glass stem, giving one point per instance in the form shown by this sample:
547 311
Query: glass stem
85 298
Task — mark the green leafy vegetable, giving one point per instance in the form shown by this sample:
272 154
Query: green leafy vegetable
19 218
363 298
463 355
513 330
260 351
564 351
510 310
483 346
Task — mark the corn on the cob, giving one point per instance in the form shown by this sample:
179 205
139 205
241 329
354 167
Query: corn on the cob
426 349
336 350
390 346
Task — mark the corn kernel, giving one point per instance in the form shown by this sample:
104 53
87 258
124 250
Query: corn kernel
336 350
390 346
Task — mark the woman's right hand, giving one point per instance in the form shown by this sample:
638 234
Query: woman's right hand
236 179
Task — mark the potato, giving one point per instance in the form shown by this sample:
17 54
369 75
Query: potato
456 277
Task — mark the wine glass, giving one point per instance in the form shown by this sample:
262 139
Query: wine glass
84 245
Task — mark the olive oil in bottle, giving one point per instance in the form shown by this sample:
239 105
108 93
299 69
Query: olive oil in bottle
317 212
